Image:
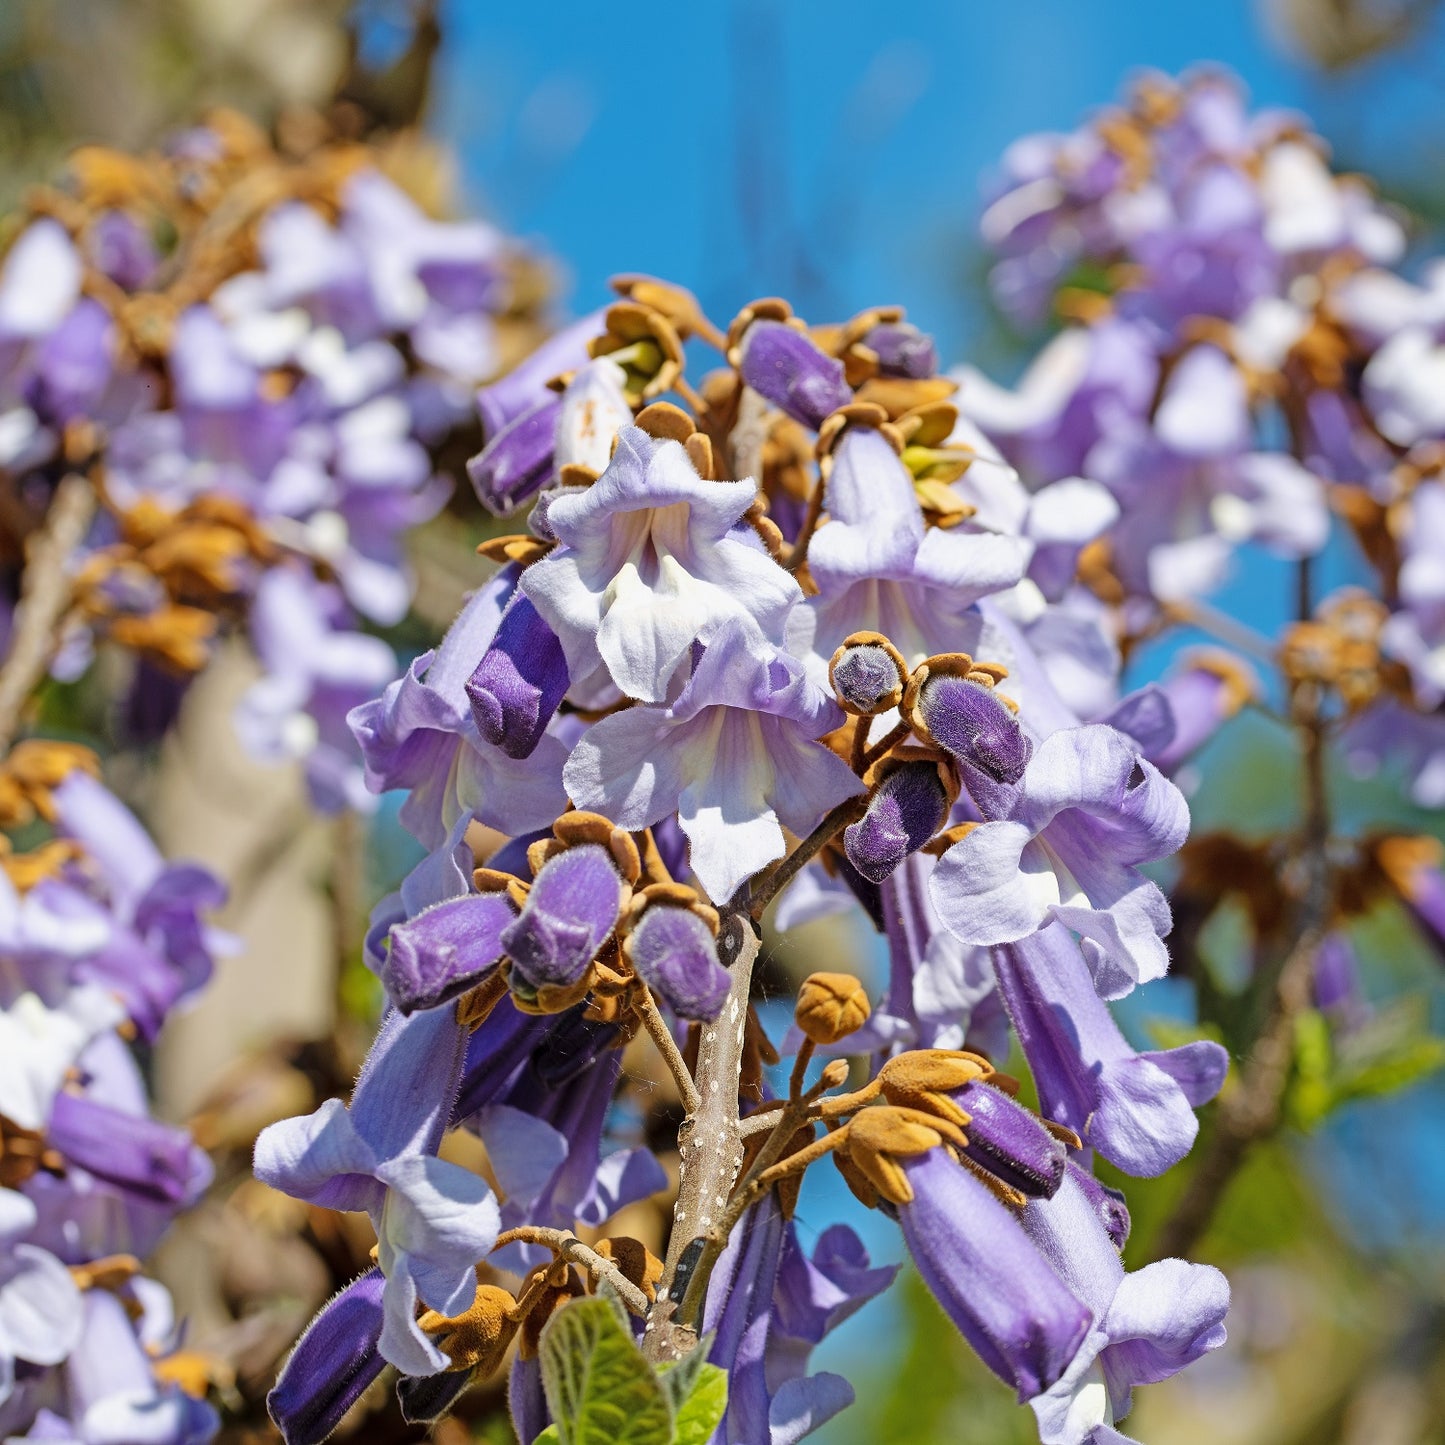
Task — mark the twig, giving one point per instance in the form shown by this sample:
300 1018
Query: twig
890 739
661 1035
570 1248
1253 1110
848 811
44 599
709 1148
1223 628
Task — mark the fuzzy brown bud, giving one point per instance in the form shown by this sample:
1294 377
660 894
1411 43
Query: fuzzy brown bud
478 1338
831 1006
925 1078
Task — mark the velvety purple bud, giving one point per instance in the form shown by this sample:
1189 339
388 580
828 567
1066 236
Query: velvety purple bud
333 1362
908 808
517 461
519 682
569 913
971 723
866 679
445 949
424 1398
675 954
130 1151
902 350
784 366
1107 1203
1010 1142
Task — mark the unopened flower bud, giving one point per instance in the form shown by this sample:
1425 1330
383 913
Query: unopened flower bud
332 1365
519 682
518 460
902 350
831 1006
1010 1142
868 674
967 718
671 944
785 366
569 914
907 808
477 1338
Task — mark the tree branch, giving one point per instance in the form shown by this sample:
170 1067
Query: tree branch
44 599
710 1150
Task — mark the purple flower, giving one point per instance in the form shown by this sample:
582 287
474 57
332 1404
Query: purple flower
992 1282
783 364
878 568
332 1363
520 681
1147 1325
761 715
420 735
1137 1110
570 912
652 561
445 949
433 1220
1086 811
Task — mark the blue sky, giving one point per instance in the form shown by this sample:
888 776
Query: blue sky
832 153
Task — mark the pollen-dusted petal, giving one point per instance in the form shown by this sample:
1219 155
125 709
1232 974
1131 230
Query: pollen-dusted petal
445 949
569 914
674 953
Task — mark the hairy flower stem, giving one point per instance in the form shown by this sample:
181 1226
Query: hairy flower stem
661 1036
848 811
1253 1109
709 1148
886 743
567 1246
44 599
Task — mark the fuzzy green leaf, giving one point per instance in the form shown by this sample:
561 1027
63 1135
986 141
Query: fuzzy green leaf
599 1388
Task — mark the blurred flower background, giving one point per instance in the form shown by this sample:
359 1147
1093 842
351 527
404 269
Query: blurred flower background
832 154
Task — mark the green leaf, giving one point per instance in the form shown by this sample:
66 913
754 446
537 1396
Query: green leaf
599 1388
679 1376
1401 1067
700 1413
549 1436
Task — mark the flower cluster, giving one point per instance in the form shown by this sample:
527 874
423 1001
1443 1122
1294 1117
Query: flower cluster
254 356
1240 359
99 940
1198 255
797 634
